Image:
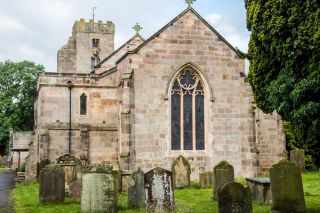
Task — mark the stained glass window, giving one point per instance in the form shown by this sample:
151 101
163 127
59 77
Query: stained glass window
83 104
187 112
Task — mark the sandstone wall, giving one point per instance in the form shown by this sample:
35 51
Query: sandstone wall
101 119
229 115
75 56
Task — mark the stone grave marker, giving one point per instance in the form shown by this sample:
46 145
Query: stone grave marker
223 173
297 158
75 190
99 189
136 193
181 171
206 179
52 186
69 164
286 188
40 165
234 198
159 191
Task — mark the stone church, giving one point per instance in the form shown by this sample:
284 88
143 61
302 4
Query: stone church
183 91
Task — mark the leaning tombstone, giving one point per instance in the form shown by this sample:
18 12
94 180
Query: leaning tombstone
51 181
234 198
136 193
223 173
40 165
286 188
99 189
297 158
159 191
181 171
205 179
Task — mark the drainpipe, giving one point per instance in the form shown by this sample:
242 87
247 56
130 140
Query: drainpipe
70 85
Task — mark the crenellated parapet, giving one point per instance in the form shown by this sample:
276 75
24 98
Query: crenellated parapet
82 26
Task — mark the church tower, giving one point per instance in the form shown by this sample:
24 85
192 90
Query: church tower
90 42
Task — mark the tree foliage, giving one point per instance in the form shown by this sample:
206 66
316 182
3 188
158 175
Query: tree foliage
284 54
17 94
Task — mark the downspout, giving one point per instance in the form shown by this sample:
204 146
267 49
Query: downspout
70 85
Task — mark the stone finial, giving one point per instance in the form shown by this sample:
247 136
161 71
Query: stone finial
137 28
190 2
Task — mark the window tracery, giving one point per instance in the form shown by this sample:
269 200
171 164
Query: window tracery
187 112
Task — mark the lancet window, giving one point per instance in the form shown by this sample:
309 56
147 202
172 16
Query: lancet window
187 112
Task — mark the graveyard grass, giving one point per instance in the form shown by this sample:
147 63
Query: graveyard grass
190 200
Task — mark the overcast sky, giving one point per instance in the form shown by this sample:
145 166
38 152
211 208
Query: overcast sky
35 29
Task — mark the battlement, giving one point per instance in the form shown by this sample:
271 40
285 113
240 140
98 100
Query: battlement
93 27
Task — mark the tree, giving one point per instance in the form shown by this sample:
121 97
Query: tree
284 65
17 94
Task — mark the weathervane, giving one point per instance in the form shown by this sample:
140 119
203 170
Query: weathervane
93 9
190 2
137 28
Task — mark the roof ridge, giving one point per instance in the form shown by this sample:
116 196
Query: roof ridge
169 24
119 48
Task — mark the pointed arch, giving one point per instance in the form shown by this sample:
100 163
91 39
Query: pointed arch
194 67
188 92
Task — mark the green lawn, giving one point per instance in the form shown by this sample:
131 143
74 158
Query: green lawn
189 200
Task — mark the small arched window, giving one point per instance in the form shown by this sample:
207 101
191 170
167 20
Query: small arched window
83 104
187 112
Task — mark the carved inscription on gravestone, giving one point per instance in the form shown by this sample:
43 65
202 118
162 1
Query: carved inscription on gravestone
181 171
99 190
159 191
286 187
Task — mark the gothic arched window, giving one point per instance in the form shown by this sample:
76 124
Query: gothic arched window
187 112
83 104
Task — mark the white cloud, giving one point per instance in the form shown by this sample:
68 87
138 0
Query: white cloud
36 29
214 18
229 32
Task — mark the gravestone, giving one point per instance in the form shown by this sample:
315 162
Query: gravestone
286 188
234 198
223 173
40 165
52 187
99 189
159 191
69 164
136 193
206 179
181 171
75 190
297 158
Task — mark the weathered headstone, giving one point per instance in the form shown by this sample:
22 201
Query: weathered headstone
52 187
159 191
69 164
206 179
42 164
99 189
136 193
234 198
223 173
297 158
75 190
181 171
286 188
